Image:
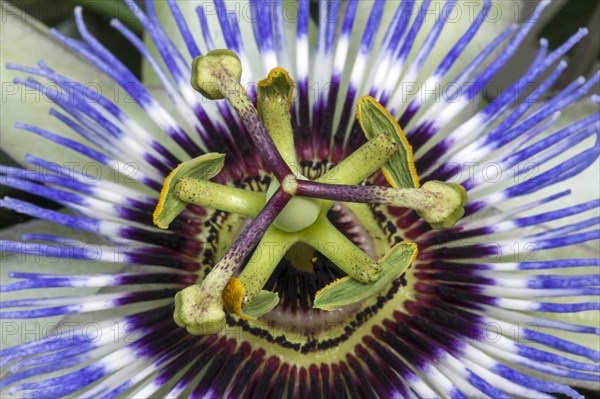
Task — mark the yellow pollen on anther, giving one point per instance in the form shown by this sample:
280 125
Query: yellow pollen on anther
233 295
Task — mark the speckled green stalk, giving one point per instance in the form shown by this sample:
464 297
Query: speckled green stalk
359 165
217 75
221 197
199 308
438 203
327 239
264 260
273 103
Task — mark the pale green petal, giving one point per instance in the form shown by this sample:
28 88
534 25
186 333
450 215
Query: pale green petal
18 331
502 15
113 9
29 329
25 41
585 186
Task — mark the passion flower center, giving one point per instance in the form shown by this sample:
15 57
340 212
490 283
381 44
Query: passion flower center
298 214
294 209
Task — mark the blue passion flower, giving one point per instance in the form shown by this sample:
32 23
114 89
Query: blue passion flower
301 214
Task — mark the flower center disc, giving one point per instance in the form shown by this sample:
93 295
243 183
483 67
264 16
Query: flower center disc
303 270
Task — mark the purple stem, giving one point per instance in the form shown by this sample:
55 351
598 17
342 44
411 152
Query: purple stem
263 141
255 230
347 193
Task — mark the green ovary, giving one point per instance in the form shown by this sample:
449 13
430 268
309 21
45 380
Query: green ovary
298 214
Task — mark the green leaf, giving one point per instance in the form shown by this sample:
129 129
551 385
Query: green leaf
374 120
348 291
169 206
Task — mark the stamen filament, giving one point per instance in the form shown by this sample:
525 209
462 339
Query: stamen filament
269 252
221 197
362 163
359 165
217 75
199 308
440 204
259 135
333 244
